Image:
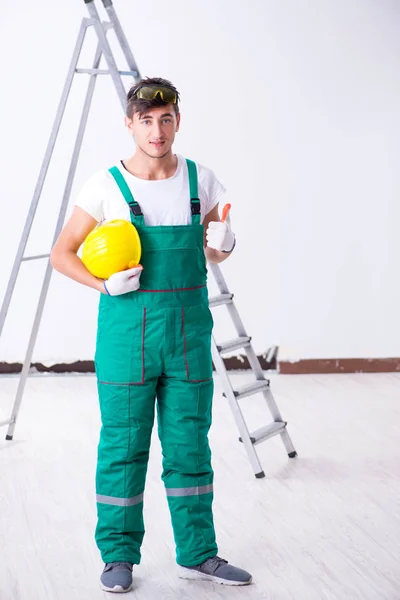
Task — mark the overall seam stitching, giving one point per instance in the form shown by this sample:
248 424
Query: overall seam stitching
197 454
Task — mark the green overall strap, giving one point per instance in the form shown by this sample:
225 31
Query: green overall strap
194 192
137 217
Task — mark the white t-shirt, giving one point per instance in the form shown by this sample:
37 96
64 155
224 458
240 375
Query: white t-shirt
163 201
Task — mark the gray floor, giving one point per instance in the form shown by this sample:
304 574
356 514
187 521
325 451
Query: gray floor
323 526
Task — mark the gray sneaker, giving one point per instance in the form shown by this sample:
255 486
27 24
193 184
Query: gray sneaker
218 570
116 577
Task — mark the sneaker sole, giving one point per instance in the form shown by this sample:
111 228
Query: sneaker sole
117 589
190 574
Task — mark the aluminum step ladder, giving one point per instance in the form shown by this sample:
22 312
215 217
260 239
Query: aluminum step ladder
260 385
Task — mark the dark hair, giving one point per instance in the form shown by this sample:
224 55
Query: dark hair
142 106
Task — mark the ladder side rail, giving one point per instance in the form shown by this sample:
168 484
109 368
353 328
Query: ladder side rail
119 32
219 278
237 414
254 362
238 323
273 407
287 442
107 52
43 173
49 269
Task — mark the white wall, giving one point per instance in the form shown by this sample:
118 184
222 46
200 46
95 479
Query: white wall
294 104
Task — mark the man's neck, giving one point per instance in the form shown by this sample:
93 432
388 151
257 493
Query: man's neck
145 167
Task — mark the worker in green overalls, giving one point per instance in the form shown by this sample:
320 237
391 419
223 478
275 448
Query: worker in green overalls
154 340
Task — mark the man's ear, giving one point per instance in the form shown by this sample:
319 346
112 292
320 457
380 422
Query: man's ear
129 125
178 121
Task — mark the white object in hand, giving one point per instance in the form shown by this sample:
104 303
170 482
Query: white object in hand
123 282
220 236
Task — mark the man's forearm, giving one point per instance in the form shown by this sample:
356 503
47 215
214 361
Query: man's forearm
69 264
215 256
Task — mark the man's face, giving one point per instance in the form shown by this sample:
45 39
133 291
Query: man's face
155 130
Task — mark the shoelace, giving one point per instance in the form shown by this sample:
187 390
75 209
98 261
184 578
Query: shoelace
110 566
214 562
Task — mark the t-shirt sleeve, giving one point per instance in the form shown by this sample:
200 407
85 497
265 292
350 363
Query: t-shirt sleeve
211 190
92 194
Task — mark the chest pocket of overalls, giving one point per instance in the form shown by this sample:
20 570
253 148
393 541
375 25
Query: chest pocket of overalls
172 259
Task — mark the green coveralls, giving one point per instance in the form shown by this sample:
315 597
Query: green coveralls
156 342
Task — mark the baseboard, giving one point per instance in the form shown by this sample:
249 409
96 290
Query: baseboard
240 363
339 365
79 366
233 363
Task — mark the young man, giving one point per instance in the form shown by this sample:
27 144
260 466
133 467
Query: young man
154 340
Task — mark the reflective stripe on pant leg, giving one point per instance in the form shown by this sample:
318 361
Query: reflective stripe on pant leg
184 410
190 491
119 501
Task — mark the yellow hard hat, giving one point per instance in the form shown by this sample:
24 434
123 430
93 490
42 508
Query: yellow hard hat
112 247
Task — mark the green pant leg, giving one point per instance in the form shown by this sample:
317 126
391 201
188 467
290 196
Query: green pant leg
184 418
127 418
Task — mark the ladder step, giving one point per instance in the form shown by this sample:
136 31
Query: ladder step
34 257
269 431
251 388
221 299
105 72
240 342
5 422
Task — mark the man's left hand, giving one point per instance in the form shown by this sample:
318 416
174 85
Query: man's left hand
220 236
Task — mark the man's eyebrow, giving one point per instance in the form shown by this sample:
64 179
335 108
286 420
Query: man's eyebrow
150 116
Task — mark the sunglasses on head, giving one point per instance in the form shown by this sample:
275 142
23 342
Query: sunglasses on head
151 92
